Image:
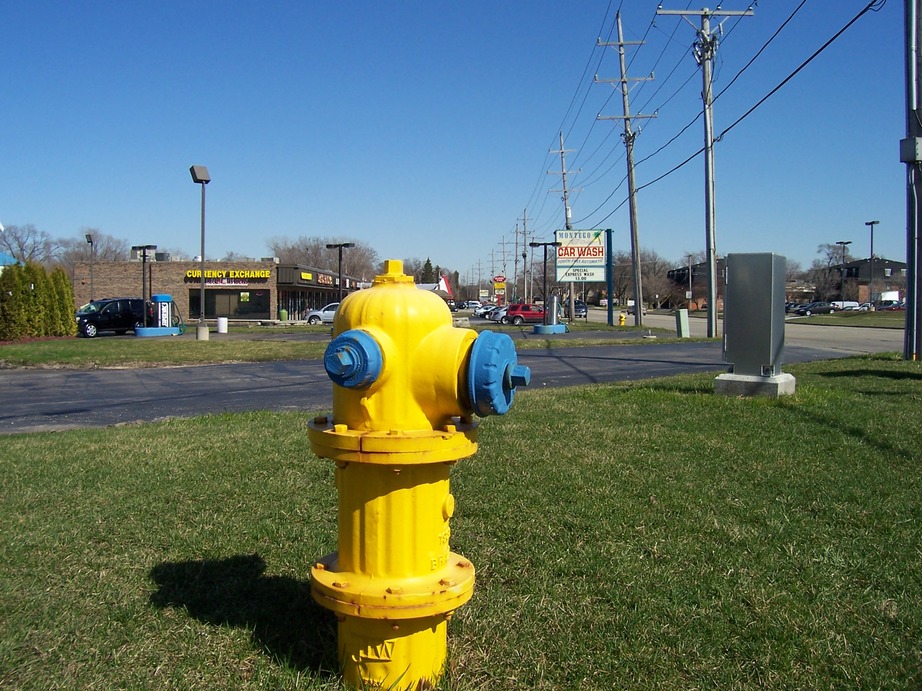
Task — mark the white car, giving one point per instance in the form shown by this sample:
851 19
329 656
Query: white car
324 315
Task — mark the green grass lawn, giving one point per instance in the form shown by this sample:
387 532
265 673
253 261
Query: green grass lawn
256 345
641 535
878 320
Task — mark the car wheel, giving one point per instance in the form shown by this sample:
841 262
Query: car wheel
504 320
518 321
89 330
313 321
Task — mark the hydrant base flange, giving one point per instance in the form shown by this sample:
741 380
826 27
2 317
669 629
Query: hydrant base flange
359 595
393 447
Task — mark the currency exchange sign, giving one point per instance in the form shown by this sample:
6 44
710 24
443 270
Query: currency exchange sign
581 255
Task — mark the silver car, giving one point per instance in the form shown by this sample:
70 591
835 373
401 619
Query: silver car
499 314
324 315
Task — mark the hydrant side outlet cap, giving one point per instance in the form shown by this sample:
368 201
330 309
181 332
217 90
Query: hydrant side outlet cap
353 359
494 373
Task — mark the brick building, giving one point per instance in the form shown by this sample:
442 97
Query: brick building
238 290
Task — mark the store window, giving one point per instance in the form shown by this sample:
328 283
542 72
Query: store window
235 304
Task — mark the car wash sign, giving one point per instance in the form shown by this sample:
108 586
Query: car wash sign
580 256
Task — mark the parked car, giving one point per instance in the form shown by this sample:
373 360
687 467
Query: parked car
484 310
522 312
893 307
471 304
815 308
120 315
631 309
324 315
579 308
499 315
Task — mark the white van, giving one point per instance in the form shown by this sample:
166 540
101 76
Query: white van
844 305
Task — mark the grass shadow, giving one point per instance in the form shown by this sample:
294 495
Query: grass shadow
278 611
882 373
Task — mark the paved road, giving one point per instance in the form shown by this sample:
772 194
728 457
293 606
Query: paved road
42 400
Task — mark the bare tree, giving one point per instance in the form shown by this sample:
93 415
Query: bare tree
28 243
657 287
359 262
105 248
793 271
825 272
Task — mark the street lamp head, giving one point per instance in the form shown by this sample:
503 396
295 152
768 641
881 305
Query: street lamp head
871 223
334 245
89 238
200 174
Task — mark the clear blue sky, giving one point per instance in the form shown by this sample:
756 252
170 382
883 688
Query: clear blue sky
424 127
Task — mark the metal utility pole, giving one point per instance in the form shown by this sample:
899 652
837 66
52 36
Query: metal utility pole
567 216
871 225
629 137
704 49
911 155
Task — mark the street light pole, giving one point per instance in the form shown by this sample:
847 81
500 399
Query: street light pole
871 225
89 239
844 244
545 245
200 176
339 247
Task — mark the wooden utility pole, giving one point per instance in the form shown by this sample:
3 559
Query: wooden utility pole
567 217
629 137
705 47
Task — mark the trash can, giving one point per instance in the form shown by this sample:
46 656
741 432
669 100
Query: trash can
283 315
222 325
553 309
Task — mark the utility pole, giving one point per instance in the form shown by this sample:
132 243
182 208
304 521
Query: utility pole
705 47
567 217
524 256
911 155
629 137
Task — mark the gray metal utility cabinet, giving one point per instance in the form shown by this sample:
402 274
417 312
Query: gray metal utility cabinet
753 343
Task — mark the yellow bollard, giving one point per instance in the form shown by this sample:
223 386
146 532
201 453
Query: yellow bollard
406 387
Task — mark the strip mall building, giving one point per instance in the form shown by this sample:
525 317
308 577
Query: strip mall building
238 290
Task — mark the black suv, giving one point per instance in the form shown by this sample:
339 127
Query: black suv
111 314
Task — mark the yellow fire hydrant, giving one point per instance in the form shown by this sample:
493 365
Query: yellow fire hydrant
407 385
622 320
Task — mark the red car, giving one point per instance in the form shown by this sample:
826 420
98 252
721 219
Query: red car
521 312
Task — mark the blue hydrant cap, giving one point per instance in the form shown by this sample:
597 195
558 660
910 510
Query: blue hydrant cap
353 359
493 374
